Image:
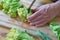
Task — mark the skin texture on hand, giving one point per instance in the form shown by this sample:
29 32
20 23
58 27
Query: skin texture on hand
44 14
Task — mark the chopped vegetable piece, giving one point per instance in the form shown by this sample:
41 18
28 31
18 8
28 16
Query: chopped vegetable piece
23 13
43 35
1 5
16 34
56 29
10 7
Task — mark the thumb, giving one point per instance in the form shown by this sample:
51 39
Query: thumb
34 10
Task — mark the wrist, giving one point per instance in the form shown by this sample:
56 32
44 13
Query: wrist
56 7
57 4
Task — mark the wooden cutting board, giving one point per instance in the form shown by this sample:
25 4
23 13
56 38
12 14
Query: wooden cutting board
6 21
3 32
10 22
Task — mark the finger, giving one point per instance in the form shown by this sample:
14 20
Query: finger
41 24
34 10
39 18
37 22
33 16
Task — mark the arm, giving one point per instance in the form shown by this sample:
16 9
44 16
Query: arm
45 14
58 5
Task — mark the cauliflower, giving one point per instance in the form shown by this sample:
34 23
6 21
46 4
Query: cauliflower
23 13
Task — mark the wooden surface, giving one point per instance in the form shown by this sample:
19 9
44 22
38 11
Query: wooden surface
3 32
10 22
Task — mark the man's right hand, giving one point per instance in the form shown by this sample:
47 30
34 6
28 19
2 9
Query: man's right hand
44 14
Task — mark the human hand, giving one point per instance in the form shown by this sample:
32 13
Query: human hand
44 14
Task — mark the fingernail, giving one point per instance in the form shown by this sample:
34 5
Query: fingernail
32 24
28 21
